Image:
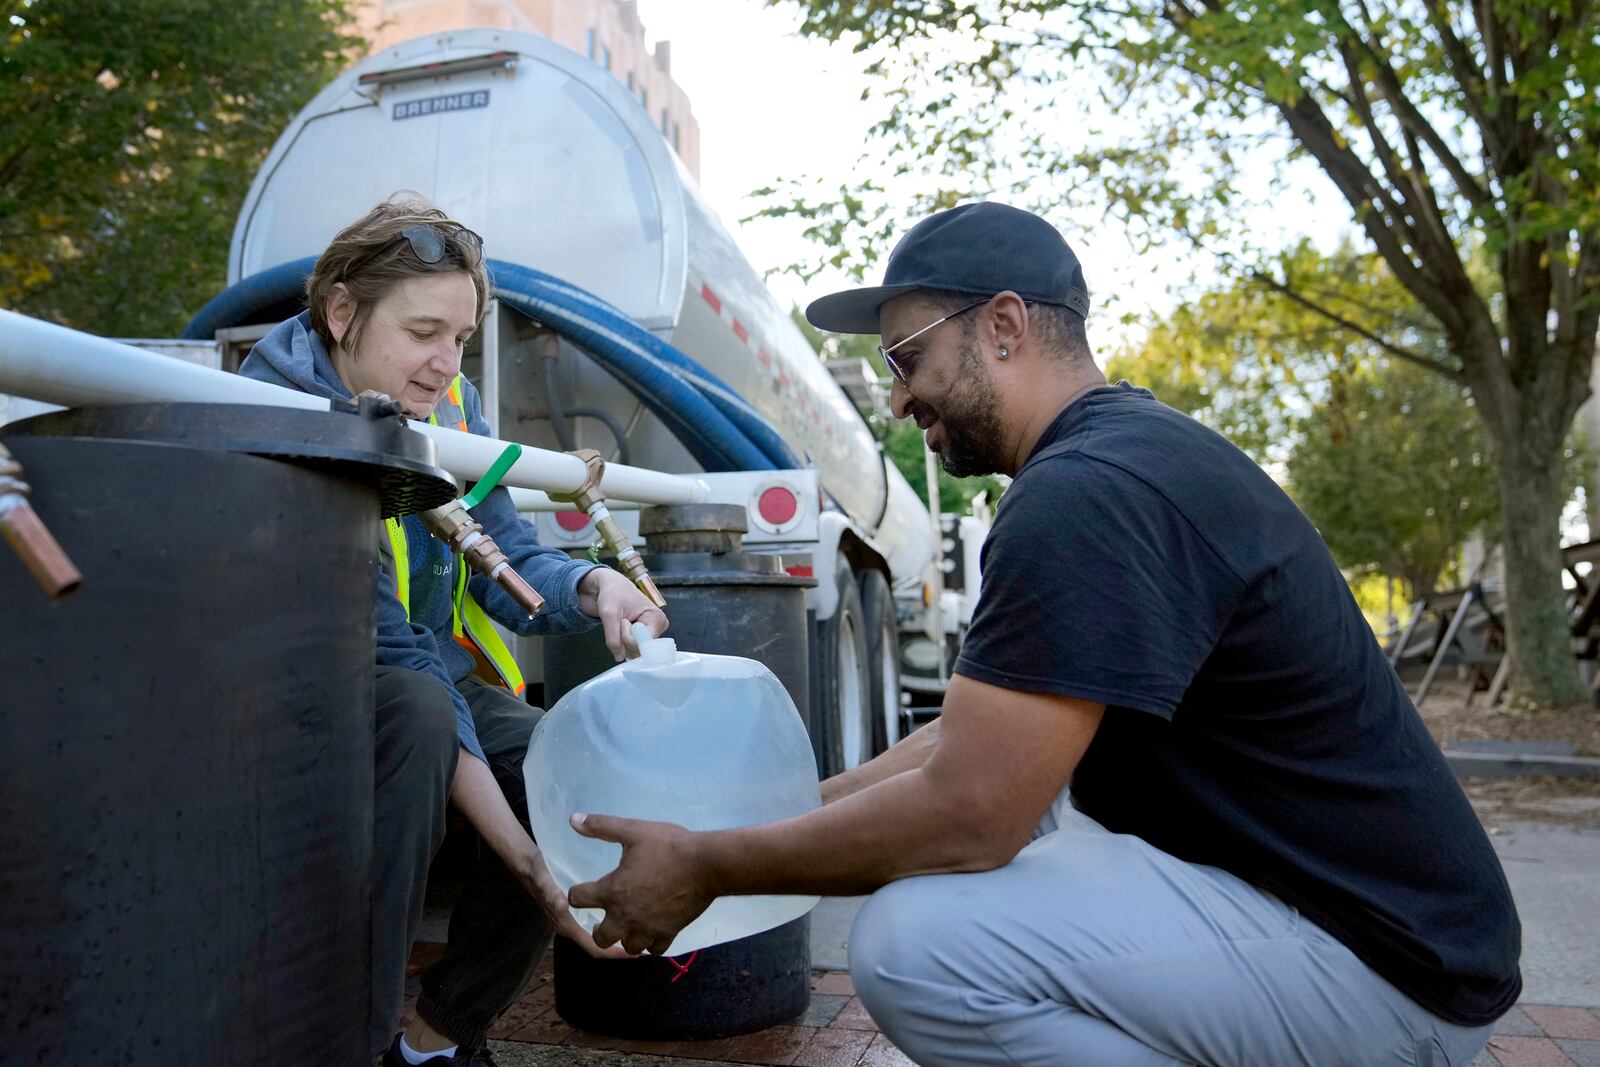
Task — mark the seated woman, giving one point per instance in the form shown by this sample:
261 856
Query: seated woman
391 304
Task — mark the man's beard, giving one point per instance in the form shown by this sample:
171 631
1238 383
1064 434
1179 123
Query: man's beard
970 418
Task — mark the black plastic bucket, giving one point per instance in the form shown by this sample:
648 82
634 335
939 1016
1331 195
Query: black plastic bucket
727 989
731 604
186 748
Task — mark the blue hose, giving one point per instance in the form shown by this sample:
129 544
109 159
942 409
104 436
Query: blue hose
237 303
715 442
717 426
580 310
716 390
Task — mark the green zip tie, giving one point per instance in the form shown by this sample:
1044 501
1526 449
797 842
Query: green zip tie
492 477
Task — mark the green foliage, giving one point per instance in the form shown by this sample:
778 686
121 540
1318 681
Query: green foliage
1449 135
131 131
1379 600
1240 359
1386 457
1394 471
1397 102
1250 362
902 441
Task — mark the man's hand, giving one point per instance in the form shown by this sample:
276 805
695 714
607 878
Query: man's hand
657 889
610 597
530 869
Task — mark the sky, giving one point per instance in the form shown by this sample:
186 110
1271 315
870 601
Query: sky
772 104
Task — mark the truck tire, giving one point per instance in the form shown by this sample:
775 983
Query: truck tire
883 661
841 712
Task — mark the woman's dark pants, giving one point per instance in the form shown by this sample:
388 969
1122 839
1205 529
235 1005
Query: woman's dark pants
497 931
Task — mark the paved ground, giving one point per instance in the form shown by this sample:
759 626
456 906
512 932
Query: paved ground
1553 866
836 1032
1554 872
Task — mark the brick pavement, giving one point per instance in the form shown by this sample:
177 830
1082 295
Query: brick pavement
835 1031
1541 1035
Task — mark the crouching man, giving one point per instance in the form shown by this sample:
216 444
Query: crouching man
1262 859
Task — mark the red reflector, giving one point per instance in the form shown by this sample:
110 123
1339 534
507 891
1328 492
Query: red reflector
778 505
572 521
800 572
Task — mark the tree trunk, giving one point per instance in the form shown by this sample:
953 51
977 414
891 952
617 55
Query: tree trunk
1544 670
1417 582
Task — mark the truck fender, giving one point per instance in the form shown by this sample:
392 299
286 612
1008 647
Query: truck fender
837 534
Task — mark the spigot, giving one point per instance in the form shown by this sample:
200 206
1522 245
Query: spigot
456 527
27 534
589 498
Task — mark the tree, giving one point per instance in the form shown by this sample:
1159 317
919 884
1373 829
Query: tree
1250 362
1394 472
1449 131
902 441
1387 459
131 132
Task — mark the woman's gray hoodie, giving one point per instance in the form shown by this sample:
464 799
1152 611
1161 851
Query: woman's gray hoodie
294 357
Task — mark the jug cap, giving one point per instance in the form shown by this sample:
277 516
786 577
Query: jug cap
653 649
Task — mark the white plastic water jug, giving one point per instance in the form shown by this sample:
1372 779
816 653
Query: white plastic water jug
707 742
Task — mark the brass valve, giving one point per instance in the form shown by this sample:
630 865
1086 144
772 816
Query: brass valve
456 527
20 524
589 498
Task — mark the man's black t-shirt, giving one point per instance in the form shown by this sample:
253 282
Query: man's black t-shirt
1141 561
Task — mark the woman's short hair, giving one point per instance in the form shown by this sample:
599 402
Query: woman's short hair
371 257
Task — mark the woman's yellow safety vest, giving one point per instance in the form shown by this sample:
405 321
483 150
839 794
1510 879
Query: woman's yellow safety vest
469 623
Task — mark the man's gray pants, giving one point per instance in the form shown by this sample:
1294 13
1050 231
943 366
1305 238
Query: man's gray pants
1098 949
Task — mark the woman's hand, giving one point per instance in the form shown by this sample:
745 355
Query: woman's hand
610 597
478 797
527 863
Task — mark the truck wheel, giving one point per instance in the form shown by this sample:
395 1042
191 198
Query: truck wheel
883 660
840 703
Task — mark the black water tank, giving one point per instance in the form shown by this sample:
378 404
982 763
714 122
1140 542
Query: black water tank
730 603
186 744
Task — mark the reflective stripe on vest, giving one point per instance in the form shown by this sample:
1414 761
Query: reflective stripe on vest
450 409
401 555
469 623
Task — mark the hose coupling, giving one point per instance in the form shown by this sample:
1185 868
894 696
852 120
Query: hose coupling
456 527
589 498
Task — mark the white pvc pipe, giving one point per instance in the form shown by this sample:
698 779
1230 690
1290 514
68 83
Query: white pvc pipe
466 455
534 500
43 361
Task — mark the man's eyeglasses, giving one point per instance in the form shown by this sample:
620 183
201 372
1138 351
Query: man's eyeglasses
429 245
895 366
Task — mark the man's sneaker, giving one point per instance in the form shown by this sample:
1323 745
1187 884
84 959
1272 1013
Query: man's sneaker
461 1058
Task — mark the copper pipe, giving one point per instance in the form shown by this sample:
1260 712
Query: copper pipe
520 591
454 525
26 533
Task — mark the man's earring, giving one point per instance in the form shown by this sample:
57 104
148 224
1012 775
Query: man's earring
1004 353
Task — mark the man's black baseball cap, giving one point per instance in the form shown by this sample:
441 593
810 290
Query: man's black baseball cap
974 248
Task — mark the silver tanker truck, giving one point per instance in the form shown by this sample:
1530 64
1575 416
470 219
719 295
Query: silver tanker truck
627 321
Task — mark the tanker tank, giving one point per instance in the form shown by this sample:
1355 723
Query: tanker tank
562 171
